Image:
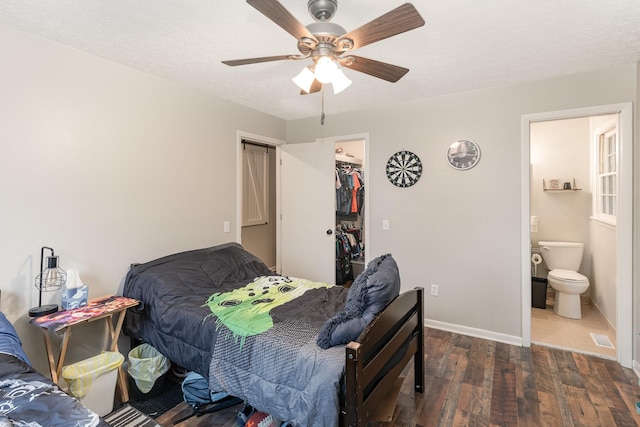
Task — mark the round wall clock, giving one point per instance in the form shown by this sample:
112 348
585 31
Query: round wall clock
404 169
463 154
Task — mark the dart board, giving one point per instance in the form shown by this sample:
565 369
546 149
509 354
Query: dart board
404 169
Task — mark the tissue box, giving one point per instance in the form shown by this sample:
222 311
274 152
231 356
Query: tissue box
75 297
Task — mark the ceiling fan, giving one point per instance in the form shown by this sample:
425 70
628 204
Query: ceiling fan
329 45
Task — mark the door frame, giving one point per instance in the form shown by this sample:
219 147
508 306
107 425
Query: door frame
240 135
367 166
624 227
334 139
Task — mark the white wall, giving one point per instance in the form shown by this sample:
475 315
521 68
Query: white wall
560 149
461 230
109 166
603 270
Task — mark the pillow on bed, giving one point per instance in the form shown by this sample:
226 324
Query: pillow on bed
9 341
369 294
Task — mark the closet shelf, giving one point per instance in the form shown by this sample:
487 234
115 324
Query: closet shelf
561 190
348 159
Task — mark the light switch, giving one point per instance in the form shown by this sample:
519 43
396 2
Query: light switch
385 224
227 226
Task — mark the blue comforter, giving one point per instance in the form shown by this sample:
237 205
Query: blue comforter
9 341
27 398
278 369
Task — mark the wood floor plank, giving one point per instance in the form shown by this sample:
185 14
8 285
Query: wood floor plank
561 398
481 412
596 389
549 410
609 386
473 382
434 402
528 403
504 401
593 383
582 409
464 405
456 368
567 369
481 354
540 364
629 394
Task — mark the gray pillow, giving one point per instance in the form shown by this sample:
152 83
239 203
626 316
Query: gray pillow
369 294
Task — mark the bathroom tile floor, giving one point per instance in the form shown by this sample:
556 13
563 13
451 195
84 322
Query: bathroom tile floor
547 328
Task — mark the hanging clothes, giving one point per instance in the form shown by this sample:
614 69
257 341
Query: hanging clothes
344 272
349 190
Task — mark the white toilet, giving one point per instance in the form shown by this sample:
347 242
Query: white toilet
563 260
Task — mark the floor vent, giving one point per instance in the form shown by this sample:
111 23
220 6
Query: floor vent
602 340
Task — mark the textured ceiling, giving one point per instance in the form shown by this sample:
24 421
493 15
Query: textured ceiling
465 44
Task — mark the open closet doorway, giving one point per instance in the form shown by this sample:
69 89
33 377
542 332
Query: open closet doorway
308 207
350 209
607 133
257 197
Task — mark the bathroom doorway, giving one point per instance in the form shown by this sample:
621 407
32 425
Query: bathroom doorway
562 204
257 193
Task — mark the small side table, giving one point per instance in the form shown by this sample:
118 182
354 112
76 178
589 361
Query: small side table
102 308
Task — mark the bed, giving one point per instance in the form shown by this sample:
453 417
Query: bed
27 398
305 352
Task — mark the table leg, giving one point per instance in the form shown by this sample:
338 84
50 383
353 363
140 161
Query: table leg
63 352
49 349
115 334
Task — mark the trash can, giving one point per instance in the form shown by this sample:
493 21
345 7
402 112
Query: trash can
538 292
93 380
147 372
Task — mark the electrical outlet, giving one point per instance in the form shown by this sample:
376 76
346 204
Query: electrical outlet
434 290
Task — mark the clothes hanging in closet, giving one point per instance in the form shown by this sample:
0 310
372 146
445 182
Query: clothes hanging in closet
348 247
349 190
344 272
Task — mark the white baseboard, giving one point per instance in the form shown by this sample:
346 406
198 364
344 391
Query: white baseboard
636 368
478 333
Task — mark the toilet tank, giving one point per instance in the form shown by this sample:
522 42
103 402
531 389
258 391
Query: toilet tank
563 255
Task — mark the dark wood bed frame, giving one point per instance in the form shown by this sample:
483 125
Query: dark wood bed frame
375 361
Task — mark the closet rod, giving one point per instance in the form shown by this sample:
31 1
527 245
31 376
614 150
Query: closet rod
257 144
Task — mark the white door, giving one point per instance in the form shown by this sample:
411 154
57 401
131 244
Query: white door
307 207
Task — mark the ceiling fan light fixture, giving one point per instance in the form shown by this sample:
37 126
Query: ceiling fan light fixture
325 69
304 79
340 81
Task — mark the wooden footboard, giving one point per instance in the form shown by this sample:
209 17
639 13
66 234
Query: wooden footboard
375 361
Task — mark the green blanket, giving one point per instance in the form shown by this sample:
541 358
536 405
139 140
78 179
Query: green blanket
245 311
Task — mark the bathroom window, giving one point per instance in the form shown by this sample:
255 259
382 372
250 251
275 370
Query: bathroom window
607 176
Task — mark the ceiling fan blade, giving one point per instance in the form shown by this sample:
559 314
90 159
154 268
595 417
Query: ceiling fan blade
273 10
235 62
381 70
401 19
316 86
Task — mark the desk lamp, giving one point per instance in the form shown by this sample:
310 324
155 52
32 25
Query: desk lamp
50 279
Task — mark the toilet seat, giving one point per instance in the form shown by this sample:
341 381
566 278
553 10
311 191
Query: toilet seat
567 276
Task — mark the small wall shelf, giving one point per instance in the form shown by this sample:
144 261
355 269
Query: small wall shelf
558 186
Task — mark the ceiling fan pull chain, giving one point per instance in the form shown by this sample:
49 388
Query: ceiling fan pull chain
322 115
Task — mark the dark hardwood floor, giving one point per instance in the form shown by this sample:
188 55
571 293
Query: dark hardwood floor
476 382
